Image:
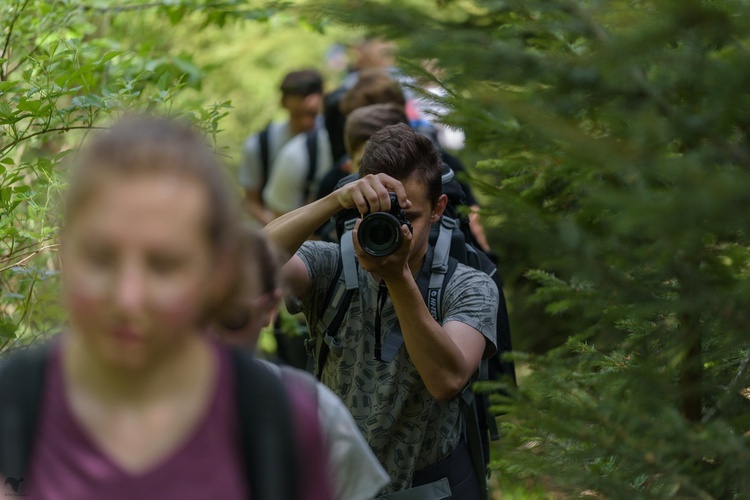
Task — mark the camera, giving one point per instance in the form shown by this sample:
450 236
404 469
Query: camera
379 233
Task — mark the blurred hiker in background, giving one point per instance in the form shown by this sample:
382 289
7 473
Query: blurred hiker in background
302 98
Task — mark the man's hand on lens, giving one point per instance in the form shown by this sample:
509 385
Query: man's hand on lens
370 194
391 267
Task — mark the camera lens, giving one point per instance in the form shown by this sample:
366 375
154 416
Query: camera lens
379 234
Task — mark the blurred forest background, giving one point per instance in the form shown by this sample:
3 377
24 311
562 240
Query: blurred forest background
608 141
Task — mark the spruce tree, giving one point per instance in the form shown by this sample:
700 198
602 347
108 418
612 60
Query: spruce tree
614 177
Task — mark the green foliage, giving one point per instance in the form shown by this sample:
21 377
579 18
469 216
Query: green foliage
614 189
67 68
245 63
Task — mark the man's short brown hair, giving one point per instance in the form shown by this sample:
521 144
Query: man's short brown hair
363 122
375 86
402 153
302 83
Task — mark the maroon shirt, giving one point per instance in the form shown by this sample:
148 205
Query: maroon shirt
67 464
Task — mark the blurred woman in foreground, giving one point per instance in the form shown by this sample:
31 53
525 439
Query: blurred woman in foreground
136 400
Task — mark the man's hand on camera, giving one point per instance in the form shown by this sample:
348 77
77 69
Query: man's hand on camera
391 267
370 194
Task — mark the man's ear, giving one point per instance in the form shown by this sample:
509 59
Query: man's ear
437 212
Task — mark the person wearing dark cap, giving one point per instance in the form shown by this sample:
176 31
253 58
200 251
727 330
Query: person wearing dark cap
301 97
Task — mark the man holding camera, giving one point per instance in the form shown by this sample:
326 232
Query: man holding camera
407 404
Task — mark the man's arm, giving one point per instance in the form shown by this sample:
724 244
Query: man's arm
445 356
289 231
254 206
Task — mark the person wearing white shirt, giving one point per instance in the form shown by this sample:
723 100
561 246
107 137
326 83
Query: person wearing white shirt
301 97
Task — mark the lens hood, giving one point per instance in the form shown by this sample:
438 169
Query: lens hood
379 234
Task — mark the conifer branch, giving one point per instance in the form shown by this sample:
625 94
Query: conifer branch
729 389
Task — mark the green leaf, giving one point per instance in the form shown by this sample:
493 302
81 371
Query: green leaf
108 56
7 328
10 85
5 111
28 105
164 81
86 101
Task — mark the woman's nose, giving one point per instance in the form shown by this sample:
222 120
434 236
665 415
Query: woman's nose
130 288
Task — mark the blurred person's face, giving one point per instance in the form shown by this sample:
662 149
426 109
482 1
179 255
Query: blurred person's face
376 54
137 268
251 313
302 111
253 308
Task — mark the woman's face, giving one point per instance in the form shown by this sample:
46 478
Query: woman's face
137 267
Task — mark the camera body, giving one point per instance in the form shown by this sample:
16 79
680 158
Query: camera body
379 233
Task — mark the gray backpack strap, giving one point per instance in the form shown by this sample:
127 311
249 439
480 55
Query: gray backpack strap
339 298
349 257
439 267
443 244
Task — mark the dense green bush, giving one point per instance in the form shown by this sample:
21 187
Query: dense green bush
69 67
615 188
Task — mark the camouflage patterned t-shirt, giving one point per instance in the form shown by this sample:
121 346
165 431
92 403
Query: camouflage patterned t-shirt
406 427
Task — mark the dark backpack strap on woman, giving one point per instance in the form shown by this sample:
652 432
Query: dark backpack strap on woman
267 431
21 383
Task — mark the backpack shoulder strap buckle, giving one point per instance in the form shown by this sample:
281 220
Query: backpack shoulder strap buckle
349 259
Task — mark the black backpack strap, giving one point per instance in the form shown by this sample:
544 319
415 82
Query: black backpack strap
311 141
265 154
21 384
438 269
478 444
272 464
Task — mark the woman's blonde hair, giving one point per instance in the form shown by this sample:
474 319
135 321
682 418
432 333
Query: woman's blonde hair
144 146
